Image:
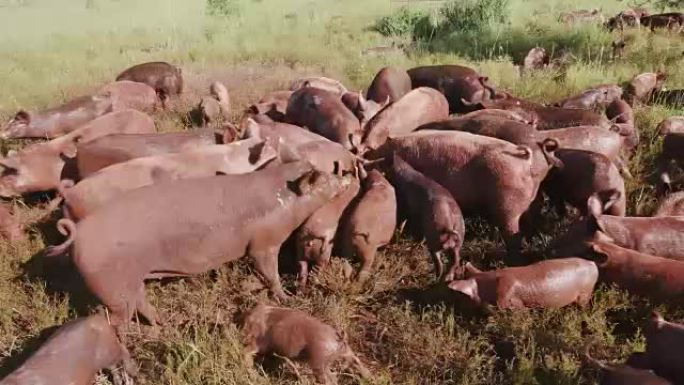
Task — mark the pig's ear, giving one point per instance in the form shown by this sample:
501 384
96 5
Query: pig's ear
467 287
594 206
304 183
12 153
599 256
252 129
69 149
22 117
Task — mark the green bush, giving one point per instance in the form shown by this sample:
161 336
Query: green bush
223 8
402 23
473 15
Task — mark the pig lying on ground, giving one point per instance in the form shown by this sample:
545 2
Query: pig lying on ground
390 82
297 335
58 121
165 78
370 223
128 94
420 106
660 236
39 167
642 86
664 354
73 355
625 374
186 227
111 182
593 98
431 208
547 284
639 273
321 83
671 206
273 105
118 148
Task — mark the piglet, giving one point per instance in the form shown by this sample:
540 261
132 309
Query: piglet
371 222
548 284
73 355
295 334
433 209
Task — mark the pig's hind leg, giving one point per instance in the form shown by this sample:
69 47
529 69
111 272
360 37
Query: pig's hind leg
266 263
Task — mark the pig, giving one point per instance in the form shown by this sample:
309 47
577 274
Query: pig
294 334
370 222
363 109
484 175
434 211
620 112
390 82
165 78
57 121
619 47
593 98
671 125
420 106
111 182
134 95
314 239
518 116
642 86
673 143
673 21
659 236
456 83
625 374
664 348
273 105
536 59
187 227
11 227
547 284
39 167
320 82
640 273
627 17
118 148
214 108
73 355
324 113
671 205
671 98
584 174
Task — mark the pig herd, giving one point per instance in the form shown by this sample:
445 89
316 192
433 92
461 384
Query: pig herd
330 172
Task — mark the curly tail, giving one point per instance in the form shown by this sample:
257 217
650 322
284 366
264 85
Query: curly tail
65 227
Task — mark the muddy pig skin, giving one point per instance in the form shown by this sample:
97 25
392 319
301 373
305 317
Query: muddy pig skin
187 227
111 182
314 239
165 78
370 222
294 334
625 374
433 209
547 284
57 121
671 206
664 348
642 274
118 148
659 236
73 355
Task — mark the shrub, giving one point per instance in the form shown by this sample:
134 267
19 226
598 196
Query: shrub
402 23
223 8
473 15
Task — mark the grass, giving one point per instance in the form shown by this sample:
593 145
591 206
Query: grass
54 50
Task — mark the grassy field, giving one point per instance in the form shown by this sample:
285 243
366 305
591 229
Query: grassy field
52 50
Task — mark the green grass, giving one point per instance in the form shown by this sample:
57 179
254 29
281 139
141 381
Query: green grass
52 50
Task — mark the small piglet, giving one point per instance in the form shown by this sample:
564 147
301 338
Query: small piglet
665 348
432 208
297 335
73 355
548 284
371 222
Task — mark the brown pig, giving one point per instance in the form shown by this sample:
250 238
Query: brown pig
294 334
671 206
593 98
671 125
637 272
434 210
73 355
390 82
642 86
111 182
547 284
314 239
370 222
187 227
11 227
536 59
128 94
215 108
660 236
57 121
324 113
673 21
273 105
625 374
320 82
664 354
584 174
671 154
165 78
420 106
39 167
118 148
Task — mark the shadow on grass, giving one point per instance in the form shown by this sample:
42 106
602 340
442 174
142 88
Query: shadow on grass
13 362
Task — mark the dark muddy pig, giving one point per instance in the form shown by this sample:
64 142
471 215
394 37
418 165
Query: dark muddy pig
294 334
187 227
166 79
664 353
673 21
389 82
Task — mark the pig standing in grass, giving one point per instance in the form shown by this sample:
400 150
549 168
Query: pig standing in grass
166 79
547 284
297 335
371 222
434 211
